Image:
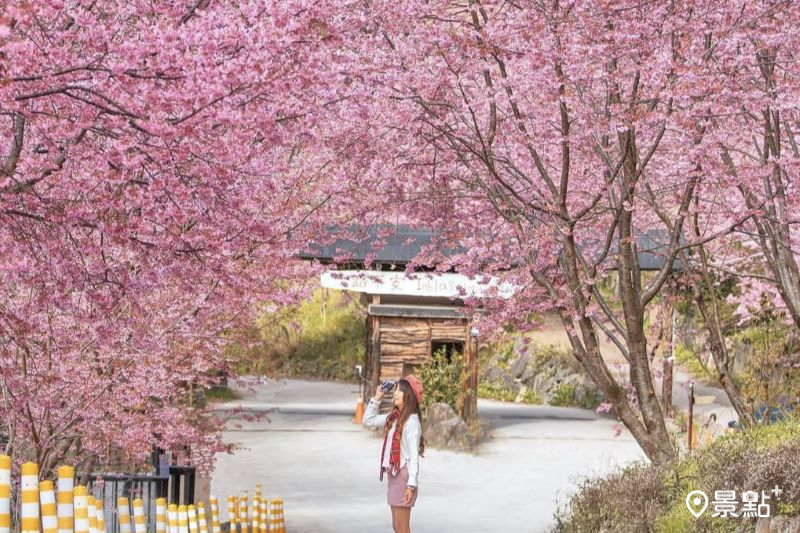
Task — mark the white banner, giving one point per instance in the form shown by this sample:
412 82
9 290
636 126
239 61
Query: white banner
445 285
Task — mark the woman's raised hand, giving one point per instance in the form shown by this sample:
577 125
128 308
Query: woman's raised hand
378 393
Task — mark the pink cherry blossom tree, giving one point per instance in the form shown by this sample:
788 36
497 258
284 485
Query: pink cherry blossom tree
749 173
758 154
552 139
150 200
163 162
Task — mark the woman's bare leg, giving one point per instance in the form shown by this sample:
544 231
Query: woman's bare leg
401 519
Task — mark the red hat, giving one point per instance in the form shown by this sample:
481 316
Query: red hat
416 385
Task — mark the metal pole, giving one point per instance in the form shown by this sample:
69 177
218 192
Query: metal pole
691 412
175 479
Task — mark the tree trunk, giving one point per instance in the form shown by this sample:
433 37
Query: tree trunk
666 386
709 312
656 446
633 313
647 425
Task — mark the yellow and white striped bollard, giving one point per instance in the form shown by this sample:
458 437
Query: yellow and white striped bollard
276 523
183 520
257 509
191 513
65 499
263 511
202 522
172 518
91 508
124 514
5 494
101 519
47 498
272 516
138 516
29 510
233 512
256 524
243 515
81 509
214 504
161 515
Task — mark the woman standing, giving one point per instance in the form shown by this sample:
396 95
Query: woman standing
402 446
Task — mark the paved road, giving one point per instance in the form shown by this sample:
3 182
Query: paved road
325 468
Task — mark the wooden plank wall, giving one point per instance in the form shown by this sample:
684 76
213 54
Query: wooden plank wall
448 330
374 352
397 341
403 340
366 390
408 340
470 386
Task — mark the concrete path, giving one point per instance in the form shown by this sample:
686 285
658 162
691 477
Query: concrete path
325 468
709 400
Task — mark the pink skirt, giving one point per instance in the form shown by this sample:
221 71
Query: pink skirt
396 494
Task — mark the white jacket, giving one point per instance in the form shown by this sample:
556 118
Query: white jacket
409 443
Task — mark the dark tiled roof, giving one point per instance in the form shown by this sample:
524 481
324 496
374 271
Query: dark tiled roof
653 246
400 244
395 244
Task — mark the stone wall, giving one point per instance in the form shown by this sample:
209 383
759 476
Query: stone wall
549 372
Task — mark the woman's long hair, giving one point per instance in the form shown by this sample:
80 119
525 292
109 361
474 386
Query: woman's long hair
410 405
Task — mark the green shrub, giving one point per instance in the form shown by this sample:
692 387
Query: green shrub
490 391
590 400
323 338
689 360
499 353
220 394
566 395
563 395
442 378
770 377
549 358
628 500
642 497
531 397
766 345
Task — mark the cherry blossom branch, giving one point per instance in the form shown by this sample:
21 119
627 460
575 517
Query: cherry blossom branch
10 164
